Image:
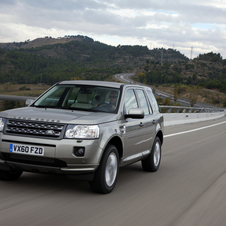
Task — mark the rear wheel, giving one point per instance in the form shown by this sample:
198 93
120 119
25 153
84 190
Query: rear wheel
152 162
106 175
10 175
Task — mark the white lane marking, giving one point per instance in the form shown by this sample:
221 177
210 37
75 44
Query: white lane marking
189 131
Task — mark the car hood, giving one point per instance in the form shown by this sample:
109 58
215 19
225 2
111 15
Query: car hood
59 115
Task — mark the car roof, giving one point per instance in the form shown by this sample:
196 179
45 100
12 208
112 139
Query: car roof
97 83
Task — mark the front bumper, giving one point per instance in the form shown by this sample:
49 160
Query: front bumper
58 158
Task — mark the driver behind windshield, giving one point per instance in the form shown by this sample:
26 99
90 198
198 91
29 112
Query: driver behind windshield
113 100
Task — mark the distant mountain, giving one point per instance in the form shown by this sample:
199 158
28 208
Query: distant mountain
85 46
39 42
74 57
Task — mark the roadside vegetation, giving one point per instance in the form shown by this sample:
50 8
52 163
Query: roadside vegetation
203 95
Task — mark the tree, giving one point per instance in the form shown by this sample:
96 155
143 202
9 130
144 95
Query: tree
193 96
142 77
194 77
167 101
225 104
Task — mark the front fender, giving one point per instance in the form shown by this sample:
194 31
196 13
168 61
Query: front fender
108 132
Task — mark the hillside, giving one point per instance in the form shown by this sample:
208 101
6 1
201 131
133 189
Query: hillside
207 70
39 42
74 57
83 49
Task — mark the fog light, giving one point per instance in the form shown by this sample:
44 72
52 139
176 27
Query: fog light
79 151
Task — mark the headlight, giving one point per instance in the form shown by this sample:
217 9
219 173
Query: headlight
2 123
82 131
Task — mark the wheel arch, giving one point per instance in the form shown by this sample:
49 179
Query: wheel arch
160 135
117 142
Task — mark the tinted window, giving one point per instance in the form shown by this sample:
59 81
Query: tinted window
143 101
130 100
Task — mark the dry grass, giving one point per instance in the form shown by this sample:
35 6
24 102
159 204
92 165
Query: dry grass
212 97
30 90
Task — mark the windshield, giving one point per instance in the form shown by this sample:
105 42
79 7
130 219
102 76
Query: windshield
81 97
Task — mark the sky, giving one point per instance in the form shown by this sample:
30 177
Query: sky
192 27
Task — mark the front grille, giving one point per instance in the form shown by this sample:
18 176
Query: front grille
40 129
34 160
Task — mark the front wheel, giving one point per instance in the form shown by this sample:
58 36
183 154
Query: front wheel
152 162
10 175
106 175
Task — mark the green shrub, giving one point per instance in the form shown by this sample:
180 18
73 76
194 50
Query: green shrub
23 88
225 104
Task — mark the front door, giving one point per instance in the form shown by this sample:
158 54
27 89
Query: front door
132 130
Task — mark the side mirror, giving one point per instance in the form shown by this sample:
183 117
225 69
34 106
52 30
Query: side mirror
29 102
135 113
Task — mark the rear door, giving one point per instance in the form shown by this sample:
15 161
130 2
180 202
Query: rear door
148 122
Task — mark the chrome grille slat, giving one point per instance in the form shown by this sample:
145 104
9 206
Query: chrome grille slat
34 128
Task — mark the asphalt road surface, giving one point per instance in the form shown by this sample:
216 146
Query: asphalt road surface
189 188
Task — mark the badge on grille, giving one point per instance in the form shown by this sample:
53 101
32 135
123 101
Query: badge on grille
49 132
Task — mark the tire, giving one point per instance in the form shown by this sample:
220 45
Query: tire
152 162
106 174
10 175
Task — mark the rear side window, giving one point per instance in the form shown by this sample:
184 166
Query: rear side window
154 103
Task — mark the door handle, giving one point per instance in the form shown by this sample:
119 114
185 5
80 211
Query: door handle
154 122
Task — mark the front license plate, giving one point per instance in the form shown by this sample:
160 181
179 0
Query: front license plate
26 150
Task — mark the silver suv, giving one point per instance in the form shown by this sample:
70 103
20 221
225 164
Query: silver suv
84 130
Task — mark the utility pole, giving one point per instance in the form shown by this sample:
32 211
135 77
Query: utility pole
191 53
161 57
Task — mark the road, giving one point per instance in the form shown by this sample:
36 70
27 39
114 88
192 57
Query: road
188 189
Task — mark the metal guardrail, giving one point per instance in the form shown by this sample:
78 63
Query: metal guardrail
15 98
182 109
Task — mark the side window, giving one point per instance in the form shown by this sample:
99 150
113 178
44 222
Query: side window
130 100
143 101
154 103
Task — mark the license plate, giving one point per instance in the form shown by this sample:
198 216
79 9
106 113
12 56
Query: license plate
26 149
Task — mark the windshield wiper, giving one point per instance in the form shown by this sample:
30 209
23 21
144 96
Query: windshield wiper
43 106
